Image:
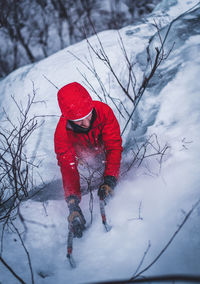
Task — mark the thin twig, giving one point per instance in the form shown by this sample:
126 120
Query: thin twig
11 270
143 258
50 82
26 251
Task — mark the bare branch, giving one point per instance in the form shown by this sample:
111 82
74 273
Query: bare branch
169 242
11 270
50 82
143 258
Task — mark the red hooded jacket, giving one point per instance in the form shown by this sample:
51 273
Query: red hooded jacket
75 103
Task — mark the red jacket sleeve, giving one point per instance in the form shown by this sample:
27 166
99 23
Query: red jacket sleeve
66 160
112 143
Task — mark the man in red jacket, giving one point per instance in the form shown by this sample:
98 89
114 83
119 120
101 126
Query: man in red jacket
85 127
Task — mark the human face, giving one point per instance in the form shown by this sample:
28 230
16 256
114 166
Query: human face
85 123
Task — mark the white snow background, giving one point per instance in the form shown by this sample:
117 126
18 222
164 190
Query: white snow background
170 108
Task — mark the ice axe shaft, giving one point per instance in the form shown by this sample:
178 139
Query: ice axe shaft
71 234
103 215
69 249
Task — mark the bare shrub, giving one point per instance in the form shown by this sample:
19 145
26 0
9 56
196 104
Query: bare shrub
17 171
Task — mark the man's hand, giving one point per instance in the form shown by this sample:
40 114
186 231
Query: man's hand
104 191
107 188
76 219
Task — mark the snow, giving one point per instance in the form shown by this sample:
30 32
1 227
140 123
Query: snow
148 205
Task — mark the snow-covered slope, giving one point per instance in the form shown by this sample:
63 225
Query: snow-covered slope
147 206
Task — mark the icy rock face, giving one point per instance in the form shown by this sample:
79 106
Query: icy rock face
180 31
180 50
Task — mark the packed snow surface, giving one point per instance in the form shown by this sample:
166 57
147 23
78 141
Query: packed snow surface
150 202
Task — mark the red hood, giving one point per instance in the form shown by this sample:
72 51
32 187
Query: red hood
74 101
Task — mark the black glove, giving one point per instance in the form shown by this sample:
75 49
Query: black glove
76 219
106 189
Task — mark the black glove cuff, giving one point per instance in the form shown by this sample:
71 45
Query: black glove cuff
73 205
111 181
71 197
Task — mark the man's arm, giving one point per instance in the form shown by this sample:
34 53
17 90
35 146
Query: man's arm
66 160
113 145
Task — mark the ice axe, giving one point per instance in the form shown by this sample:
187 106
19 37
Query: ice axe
69 249
102 204
70 237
